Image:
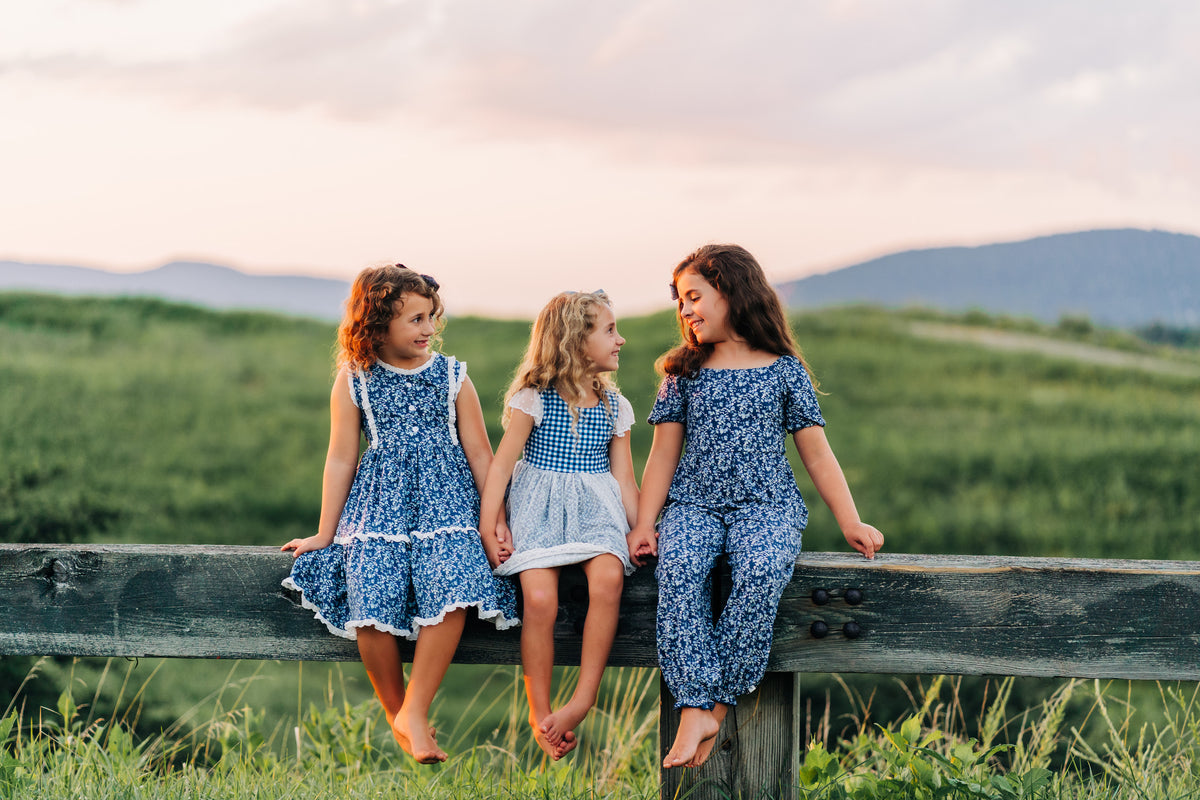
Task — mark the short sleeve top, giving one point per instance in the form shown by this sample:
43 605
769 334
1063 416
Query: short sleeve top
560 444
735 425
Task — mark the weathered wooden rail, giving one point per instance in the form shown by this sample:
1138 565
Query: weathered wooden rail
841 613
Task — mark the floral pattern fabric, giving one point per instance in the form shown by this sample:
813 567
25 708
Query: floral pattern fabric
733 493
407 547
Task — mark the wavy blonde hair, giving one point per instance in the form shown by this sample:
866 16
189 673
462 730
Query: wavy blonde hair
372 304
555 357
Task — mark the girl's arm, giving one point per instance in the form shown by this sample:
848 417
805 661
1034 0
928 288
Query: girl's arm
341 462
656 481
830 481
472 434
620 459
491 505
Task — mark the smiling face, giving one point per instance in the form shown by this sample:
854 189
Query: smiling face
603 345
406 344
703 308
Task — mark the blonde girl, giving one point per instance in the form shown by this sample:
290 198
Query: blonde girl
571 500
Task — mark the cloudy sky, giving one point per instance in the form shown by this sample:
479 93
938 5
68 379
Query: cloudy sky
514 148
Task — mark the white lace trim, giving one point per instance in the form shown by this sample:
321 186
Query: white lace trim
374 623
625 416
401 538
528 400
346 538
495 616
288 583
456 379
350 386
401 370
439 531
366 408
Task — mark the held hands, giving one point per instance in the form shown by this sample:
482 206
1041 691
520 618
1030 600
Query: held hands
864 538
497 543
642 541
308 544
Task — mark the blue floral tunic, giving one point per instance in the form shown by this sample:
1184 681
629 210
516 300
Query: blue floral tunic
733 493
407 547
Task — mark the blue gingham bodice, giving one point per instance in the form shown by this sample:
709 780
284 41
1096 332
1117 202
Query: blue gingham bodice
553 446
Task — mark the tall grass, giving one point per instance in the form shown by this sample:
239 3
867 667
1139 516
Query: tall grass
225 748
342 750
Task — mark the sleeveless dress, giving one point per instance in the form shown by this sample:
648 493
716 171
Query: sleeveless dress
407 546
564 505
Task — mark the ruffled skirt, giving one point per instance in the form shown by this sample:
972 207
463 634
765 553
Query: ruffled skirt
406 552
560 518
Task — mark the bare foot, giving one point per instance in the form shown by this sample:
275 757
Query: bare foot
559 723
539 736
417 739
705 748
569 743
696 725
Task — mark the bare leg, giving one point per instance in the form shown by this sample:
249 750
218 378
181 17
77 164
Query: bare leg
380 655
606 578
539 591
695 726
704 750
435 648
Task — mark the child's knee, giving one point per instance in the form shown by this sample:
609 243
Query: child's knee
606 579
540 604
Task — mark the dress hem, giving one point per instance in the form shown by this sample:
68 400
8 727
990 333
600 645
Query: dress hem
558 556
495 615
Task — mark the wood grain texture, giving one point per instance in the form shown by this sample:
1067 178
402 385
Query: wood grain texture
919 614
987 615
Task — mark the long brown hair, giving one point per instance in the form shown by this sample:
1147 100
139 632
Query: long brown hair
371 306
555 356
755 313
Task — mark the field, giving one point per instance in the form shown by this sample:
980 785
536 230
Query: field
142 421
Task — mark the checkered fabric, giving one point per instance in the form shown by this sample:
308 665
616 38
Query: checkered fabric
554 446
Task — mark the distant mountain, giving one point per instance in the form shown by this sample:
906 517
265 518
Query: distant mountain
190 282
1120 278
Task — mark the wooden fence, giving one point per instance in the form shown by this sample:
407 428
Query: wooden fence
900 614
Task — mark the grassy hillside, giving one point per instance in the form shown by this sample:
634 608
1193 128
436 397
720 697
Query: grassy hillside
138 420
144 421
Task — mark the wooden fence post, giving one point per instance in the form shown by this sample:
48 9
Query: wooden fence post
757 749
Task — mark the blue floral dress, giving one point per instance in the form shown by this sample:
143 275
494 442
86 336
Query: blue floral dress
407 547
733 493
564 505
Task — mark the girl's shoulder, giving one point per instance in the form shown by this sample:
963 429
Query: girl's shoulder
529 401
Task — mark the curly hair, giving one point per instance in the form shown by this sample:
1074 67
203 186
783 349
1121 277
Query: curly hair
555 357
755 313
376 296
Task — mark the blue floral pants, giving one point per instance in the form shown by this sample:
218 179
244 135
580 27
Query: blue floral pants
704 663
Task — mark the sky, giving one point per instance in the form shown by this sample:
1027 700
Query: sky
517 148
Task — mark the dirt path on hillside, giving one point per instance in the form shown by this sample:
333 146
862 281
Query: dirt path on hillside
1011 340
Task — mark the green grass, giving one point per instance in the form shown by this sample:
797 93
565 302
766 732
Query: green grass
337 749
144 421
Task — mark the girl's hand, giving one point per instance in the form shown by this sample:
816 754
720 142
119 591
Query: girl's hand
503 534
642 541
864 538
307 545
497 552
